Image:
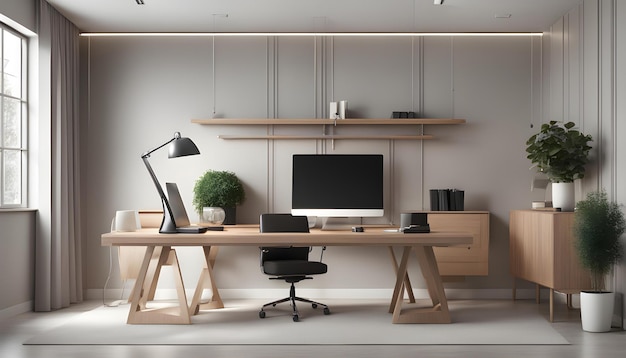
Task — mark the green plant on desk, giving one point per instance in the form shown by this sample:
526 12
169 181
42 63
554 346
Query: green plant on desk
218 189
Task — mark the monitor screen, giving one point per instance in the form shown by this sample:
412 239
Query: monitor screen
337 185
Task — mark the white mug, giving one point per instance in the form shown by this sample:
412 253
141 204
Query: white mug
126 220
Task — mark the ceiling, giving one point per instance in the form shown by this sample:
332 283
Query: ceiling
313 15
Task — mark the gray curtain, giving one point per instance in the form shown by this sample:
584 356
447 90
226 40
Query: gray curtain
58 266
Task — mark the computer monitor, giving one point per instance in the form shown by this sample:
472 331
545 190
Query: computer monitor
337 185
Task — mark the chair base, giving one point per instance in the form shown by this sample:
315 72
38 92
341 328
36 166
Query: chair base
293 298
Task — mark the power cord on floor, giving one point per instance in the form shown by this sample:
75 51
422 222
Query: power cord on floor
116 302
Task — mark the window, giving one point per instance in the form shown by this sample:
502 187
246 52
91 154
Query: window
13 119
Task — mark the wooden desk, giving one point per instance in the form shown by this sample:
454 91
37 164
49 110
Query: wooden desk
161 246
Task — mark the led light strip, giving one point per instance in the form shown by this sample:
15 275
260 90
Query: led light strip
310 34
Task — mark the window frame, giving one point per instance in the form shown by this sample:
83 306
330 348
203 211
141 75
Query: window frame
23 99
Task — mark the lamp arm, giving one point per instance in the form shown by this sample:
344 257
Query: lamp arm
147 154
168 225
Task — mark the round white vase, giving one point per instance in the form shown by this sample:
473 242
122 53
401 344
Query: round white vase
563 196
213 215
596 311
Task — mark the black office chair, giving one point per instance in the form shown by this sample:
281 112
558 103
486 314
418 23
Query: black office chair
289 263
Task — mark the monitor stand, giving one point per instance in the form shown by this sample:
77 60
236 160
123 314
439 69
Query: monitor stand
340 223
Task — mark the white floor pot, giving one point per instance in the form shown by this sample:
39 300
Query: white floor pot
596 310
563 196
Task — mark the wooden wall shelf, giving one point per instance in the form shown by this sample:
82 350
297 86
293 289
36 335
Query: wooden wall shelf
325 122
316 121
328 136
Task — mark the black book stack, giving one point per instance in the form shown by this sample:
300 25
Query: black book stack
447 200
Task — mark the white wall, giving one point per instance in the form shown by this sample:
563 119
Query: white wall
17 238
19 14
141 90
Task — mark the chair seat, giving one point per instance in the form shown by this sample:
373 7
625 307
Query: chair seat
294 268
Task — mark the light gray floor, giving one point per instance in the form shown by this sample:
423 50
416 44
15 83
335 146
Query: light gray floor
15 330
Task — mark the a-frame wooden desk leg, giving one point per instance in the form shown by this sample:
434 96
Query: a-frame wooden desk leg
146 279
407 281
438 312
398 291
207 280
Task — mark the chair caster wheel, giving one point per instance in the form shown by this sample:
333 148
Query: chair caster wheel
314 305
261 314
326 311
296 318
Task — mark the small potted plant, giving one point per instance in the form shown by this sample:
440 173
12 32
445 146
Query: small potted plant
598 225
219 189
560 152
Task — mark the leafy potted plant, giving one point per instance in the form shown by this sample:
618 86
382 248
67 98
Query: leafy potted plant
560 152
219 189
598 225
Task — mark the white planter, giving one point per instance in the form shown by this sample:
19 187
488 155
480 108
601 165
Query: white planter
596 310
563 196
213 215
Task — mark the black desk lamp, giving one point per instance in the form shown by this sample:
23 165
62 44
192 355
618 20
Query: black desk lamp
179 147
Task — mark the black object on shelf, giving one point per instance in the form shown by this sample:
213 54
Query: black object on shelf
434 200
447 200
403 114
459 199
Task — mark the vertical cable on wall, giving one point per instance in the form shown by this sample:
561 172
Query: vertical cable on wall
269 153
315 76
541 80
614 98
581 67
452 72
532 83
599 92
89 81
276 44
615 272
421 111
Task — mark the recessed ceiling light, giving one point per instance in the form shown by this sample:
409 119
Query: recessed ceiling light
502 16
438 2
140 2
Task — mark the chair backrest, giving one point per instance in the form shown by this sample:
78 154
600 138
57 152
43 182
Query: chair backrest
283 223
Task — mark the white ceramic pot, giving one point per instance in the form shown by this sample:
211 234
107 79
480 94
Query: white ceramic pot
563 196
213 215
596 310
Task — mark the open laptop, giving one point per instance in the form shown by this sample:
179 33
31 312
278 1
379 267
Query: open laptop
181 220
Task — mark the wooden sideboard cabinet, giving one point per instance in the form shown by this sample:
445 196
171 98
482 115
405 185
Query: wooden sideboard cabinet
471 260
542 251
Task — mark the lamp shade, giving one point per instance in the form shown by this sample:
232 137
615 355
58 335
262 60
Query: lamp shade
182 146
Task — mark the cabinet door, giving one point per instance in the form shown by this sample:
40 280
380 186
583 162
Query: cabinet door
469 260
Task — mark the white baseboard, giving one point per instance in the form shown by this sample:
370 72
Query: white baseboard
17 309
368 293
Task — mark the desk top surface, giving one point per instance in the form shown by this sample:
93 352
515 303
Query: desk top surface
250 236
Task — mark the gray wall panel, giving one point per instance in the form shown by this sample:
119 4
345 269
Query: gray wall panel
142 90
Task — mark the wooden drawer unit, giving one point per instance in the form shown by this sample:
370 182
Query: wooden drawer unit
471 260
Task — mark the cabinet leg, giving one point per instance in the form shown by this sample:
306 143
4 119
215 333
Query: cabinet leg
514 290
551 305
537 293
